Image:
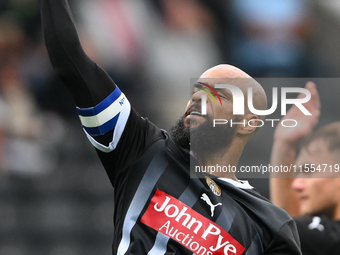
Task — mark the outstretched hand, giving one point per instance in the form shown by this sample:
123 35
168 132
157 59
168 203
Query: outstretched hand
283 152
305 122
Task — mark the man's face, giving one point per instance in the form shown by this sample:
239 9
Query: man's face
215 110
198 129
318 192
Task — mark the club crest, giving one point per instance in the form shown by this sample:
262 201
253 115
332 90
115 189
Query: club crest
213 186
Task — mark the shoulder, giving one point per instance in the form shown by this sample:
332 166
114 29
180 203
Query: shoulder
317 223
318 234
275 227
260 209
253 200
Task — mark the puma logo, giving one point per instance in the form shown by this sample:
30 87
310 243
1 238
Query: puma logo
212 206
315 224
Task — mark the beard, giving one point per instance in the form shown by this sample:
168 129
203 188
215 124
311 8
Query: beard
203 139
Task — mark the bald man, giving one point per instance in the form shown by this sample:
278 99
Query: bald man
161 207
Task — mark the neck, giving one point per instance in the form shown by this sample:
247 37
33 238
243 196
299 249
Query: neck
336 214
220 163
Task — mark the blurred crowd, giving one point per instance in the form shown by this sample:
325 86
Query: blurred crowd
151 48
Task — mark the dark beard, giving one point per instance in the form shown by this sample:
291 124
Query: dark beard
203 139
181 134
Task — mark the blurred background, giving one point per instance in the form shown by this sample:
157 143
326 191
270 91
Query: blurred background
54 196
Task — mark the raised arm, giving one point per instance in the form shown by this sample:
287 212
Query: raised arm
88 83
116 130
284 151
102 107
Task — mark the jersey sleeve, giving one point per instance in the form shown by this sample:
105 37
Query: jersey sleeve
286 241
88 83
105 113
318 234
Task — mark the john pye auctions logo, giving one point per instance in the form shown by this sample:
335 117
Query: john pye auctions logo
197 233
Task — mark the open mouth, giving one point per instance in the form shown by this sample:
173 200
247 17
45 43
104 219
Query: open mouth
195 113
193 110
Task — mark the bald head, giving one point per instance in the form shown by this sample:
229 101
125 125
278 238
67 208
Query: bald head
224 71
228 74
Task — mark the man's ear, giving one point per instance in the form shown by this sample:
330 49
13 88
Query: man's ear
252 122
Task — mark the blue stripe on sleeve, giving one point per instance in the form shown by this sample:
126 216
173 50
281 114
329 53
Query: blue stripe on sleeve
88 112
106 127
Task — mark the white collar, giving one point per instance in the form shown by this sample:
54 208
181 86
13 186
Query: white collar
239 184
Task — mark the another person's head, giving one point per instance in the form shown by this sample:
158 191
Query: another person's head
199 131
318 184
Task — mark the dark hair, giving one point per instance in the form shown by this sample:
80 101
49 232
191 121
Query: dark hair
330 134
